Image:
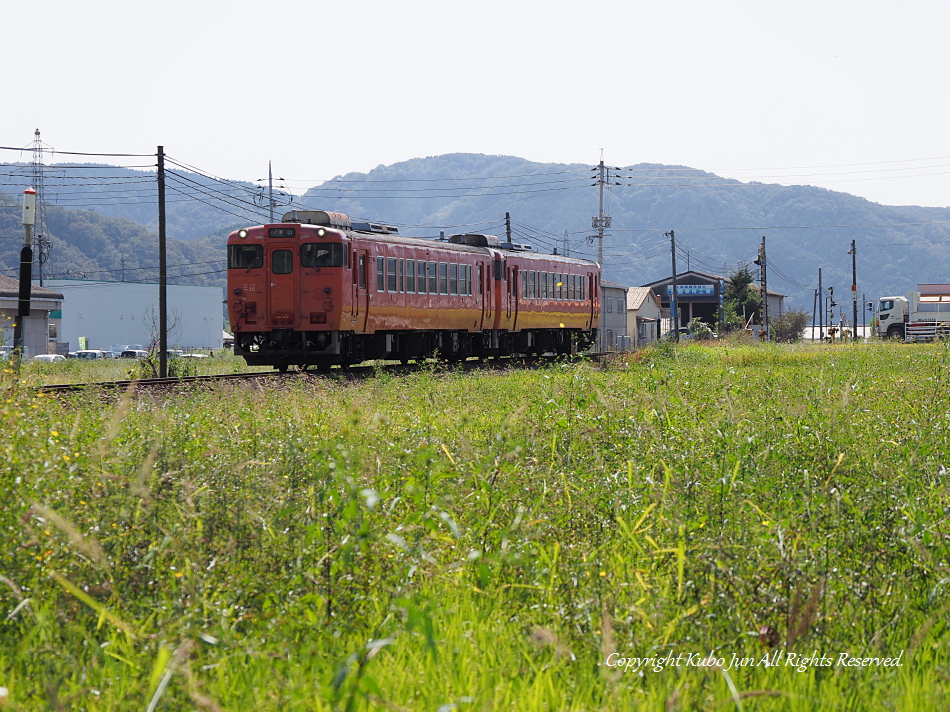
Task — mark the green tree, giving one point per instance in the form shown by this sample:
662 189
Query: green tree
740 292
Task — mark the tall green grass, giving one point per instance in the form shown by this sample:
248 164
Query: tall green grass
487 541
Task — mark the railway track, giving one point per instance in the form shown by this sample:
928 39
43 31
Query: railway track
352 372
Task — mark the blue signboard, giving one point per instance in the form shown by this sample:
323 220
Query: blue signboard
692 290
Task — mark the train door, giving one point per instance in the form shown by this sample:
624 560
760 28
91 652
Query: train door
498 288
359 307
592 300
283 290
482 296
513 283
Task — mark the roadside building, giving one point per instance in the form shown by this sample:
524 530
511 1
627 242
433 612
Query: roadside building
102 314
699 294
41 327
612 334
643 316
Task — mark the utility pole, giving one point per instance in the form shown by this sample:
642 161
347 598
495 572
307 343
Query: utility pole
26 274
854 288
508 226
765 288
162 275
270 190
567 245
821 309
674 307
601 222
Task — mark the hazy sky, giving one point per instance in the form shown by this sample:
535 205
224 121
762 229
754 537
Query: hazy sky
851 96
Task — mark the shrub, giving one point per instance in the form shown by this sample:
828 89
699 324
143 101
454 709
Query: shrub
790 327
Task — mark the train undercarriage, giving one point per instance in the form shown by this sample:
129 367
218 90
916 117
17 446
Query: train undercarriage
283 348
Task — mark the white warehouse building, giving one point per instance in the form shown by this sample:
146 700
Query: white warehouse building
110 313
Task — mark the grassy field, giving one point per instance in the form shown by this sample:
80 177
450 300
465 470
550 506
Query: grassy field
768 525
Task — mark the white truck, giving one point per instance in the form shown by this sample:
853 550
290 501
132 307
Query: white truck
920 316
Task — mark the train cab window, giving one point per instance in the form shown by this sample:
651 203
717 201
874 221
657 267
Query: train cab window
321 254
453 279
481 277
245 256
391 274
380 274
282 262
411 276
421 277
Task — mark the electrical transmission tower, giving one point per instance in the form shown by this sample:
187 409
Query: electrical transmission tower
41 242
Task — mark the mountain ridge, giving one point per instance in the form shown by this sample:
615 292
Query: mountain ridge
719 222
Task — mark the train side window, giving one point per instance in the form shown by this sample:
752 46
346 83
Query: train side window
421 282
443 278
481 277
282 261
391 274
402 282
362 271
468 280
453 279
433 278
380 274
411 276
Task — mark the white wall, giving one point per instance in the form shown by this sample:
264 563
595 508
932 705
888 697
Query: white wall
108 313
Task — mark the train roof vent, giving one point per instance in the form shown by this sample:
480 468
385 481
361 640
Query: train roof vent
516 247
317 217
375 227
474 240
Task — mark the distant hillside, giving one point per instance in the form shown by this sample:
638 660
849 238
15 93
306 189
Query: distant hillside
718 222
89 245
195 205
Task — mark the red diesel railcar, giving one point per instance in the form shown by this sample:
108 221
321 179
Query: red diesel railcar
318 290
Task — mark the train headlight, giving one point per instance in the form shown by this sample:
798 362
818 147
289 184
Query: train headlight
242 233
321 232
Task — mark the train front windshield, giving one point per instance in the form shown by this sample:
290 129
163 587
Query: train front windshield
321 254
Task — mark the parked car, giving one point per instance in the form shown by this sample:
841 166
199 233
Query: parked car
88 354
194 356
687 335
134 353
49 358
